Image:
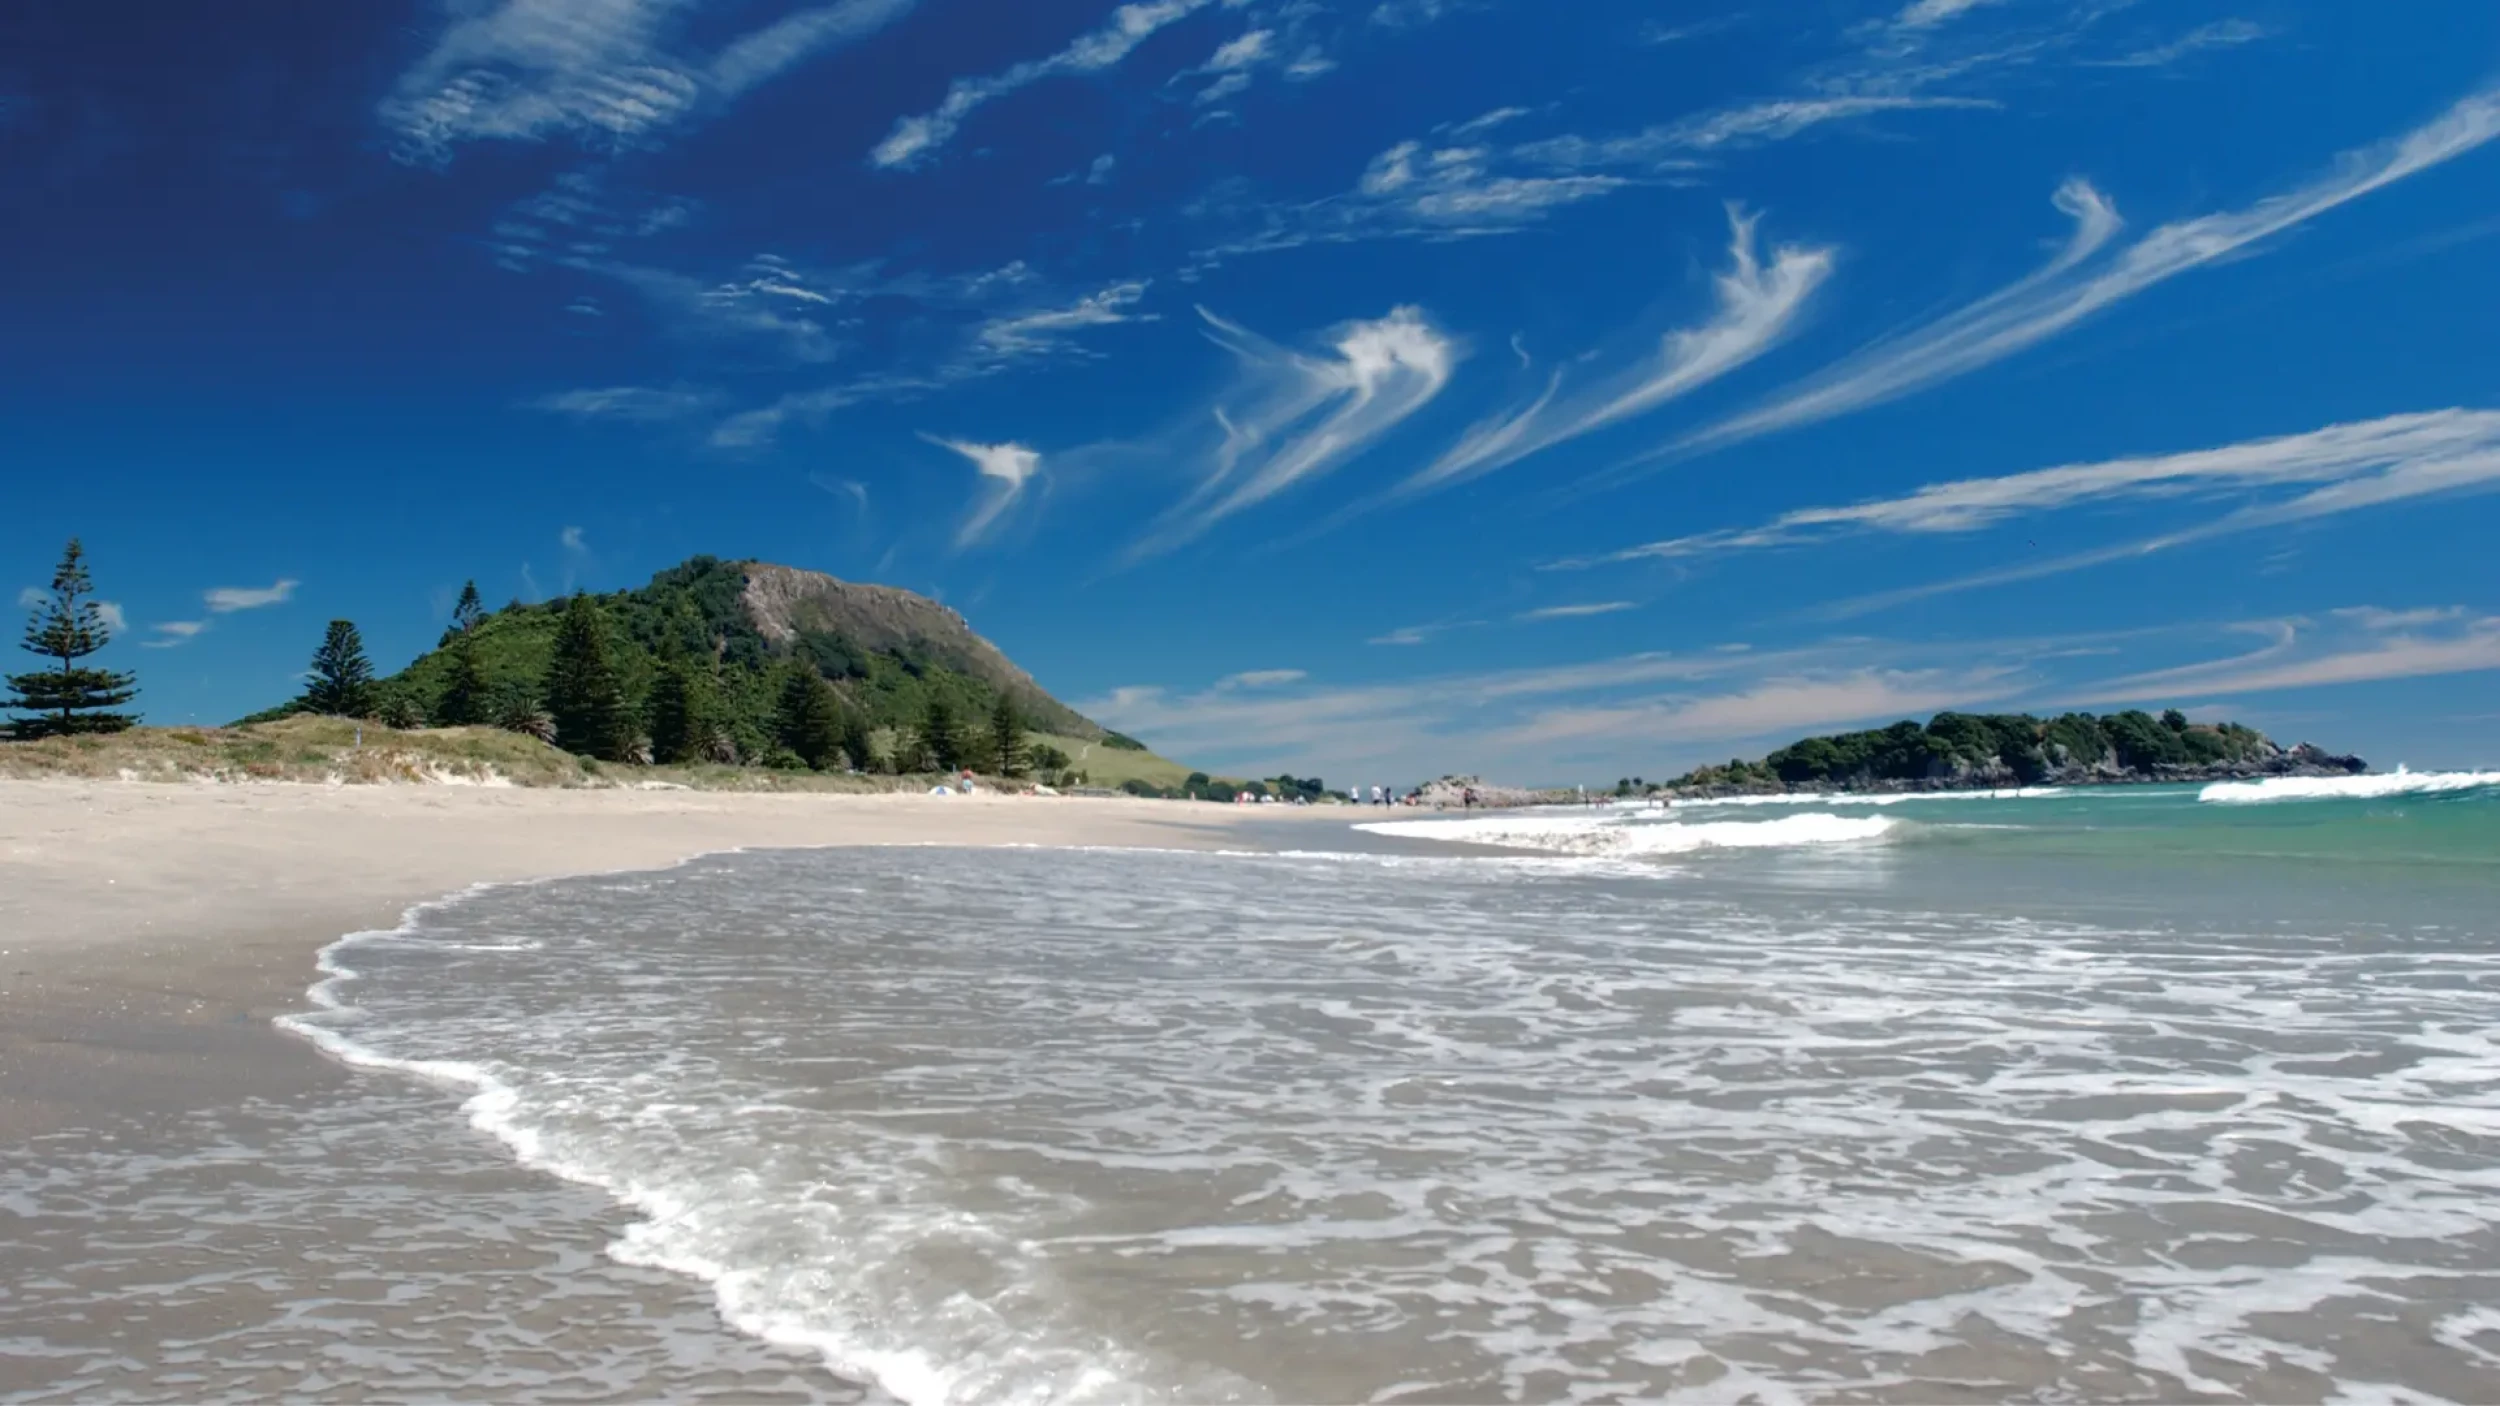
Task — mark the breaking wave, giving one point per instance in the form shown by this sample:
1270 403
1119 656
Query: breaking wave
2346 788
1616 837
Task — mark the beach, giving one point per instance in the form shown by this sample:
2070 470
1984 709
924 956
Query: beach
2153 1093
150 934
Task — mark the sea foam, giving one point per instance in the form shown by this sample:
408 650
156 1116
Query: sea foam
2345 788
1617 837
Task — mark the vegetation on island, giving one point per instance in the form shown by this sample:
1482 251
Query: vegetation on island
1994 749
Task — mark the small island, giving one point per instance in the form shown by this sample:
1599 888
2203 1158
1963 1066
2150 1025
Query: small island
1994 751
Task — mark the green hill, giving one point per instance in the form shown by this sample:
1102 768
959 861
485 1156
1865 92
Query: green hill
887 652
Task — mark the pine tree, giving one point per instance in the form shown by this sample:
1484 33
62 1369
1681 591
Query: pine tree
584 695
466 616
342 682
809 718
1006 737
857 745
70 698
467 699
685 713
941 740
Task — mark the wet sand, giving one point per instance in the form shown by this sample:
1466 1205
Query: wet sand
149 933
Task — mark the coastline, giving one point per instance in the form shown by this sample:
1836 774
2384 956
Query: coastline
150 934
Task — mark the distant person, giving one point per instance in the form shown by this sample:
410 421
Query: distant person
1467 798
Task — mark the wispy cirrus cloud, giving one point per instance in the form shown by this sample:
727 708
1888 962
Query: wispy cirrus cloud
1576 612
1460 186
1005 470
1756 305
2077 283
2361 644
916 140
2279 479
1261 678
608 73
634 404
1296 416
2221 34
1042 331
1030 325
225 600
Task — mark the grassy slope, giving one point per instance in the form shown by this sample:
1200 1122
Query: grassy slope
313 749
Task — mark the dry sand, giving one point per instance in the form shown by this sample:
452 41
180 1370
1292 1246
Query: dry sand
197 1211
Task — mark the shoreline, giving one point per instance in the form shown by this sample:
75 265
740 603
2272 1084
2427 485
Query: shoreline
152 935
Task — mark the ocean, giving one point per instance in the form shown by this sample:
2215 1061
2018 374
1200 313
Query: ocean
2142 1093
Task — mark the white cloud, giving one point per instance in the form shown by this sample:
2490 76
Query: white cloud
1575 612
608 72
2340 467
1261 678
2071 288
2360 645
1927 14
1297 416
225 600
1756 307
1404 634
644 404
915 139
1099 174
1045 330
572 540
1005 470
173 633
1478 126
32 597
1745 125
2221 34
113 617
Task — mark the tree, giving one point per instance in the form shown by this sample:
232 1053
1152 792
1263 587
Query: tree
585 698
685 713
342 678
69 698
1006 739
467 615
857 744
941 738
467 699
2174 720
809 718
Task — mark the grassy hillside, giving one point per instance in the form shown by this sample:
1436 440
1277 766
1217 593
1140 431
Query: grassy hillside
705 612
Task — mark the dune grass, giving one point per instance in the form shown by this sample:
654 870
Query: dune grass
341 751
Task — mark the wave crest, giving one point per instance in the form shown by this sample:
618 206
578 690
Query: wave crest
1614 837
2345 788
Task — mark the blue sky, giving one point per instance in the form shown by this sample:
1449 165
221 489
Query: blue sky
1370 387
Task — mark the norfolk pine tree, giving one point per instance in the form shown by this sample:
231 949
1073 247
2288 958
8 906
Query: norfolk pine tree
810 717
1006 736
70 698
584 695
466 616
342 681
941 738
467 699
685 712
